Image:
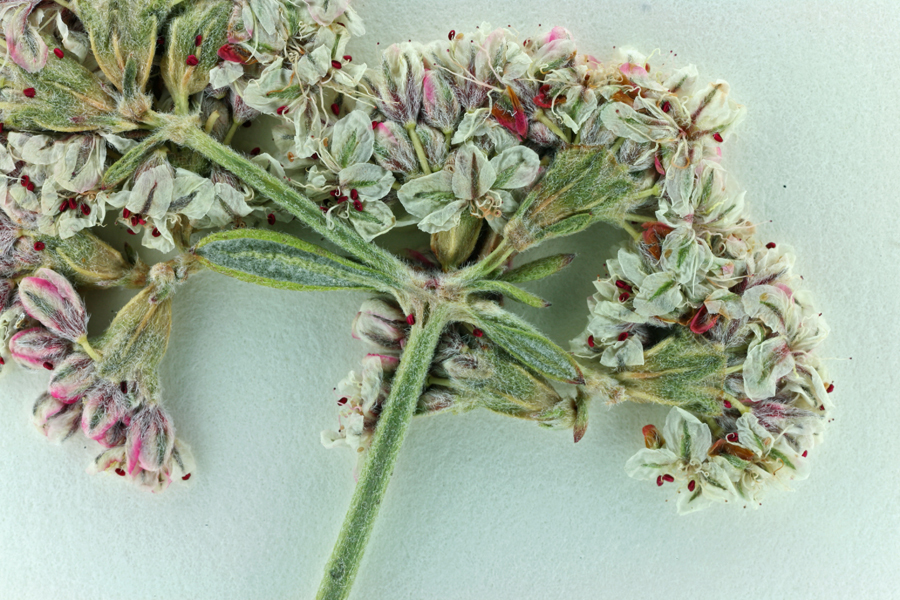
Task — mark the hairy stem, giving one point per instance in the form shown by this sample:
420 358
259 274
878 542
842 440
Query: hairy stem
297 204
540 116
420 151
389 435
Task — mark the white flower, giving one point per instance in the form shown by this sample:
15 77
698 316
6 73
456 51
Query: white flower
684 459
475 184
361 396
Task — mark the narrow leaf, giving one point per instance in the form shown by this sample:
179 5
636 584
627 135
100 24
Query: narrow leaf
538 269
508 289
525 343
125 167
285 262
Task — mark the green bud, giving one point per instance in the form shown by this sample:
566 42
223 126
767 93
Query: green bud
682 370
88 260
454 246
538 269
582 181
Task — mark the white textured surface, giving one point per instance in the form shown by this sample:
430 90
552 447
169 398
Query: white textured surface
480 506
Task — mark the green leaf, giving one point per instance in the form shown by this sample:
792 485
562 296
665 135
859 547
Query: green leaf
525 343
538 269
508 289
285 262
130 161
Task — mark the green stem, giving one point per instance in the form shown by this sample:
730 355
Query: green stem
483 268
631 231
231 131
540 116
406 388
86 346
287 197
420 151
639 218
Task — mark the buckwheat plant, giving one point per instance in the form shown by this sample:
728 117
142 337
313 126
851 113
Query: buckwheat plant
122 113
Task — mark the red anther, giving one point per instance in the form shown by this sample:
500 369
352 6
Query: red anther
29 92
624 296
63 206
822 407
590 341
623 286
692 485
1 127
830 388
659 481
718 137
142 220
134 220
39 246
805 452
281 110
155 232
335 193
188 476
341 199
477 332
335 109
342 402
130 232
120 472
702 322
358 205
354 195
770 245
126 213
727 404
30 186
315 156
348 58
192 61
336 64
58 52
668 478
323 209
2 362
71 202
410 319
85 209
271 218
232 53
25 180
732 437
255 151
198 40
451 35
666 107
48 366
123 385
623 336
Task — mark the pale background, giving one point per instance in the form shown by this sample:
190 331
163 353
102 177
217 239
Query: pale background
485 507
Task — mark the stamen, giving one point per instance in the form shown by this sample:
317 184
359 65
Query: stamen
29 92
805 452
335 109
126 213
342 402
188 476
255 151
336 64
659 481
732 437
668 478
281 110
155 232
63 206
25 180
39 246
477 332
692 485
354 195
410 319
624 296
718 137
120 472
123 385
451 35
30 186
192 61
666 107
770 245
358 205
48 366
85 209
623 336
727 404
59 53
830 388
590 341
623 286
271 218
198 40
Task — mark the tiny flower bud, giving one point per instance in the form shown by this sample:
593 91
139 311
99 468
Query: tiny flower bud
51 299
103 406
55 419
151 439
36 347
72 378
381 323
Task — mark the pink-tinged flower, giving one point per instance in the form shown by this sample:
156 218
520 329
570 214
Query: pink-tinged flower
24 44
72 378
37 348
56 420
381 323
151 438
51 299
440 106
104 406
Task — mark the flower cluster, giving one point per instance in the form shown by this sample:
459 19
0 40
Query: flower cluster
697 270
110 392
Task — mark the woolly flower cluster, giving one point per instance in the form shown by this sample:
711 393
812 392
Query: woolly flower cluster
696 268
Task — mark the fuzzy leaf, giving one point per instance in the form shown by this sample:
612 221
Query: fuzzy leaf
508 289
285 262
525 343
538 269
